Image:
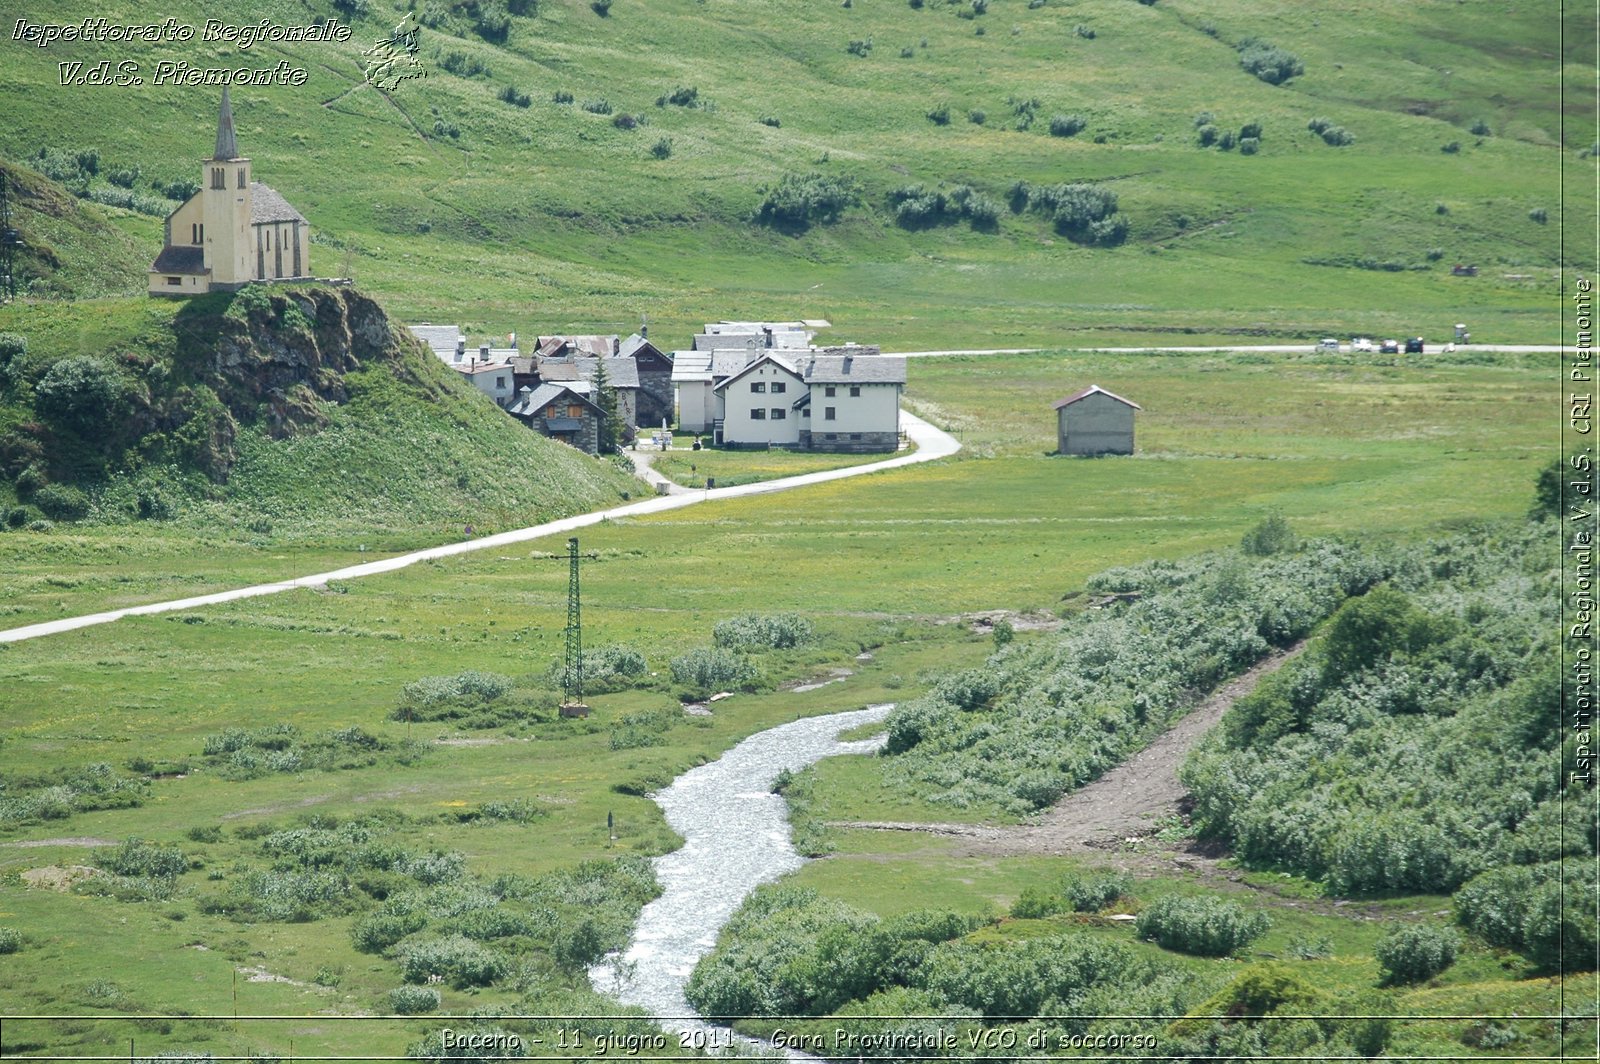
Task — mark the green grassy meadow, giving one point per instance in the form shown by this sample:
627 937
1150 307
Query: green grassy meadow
453 204
885 563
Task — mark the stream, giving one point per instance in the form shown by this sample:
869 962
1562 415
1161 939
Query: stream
736 837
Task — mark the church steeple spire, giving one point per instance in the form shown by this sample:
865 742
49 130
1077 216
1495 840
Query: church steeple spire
227 147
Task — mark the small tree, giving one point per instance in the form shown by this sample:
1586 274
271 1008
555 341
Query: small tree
605 397
1414 952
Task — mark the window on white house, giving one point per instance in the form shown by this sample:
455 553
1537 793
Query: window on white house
779 413
778 387
855 391
758 386
175 280
828 391
758 415
499 382
828 413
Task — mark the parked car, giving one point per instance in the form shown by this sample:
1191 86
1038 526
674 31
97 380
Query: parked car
1414 346
1361 343
1328 343
1390 347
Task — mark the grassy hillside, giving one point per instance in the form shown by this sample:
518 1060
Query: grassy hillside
452 200
175 447
70 249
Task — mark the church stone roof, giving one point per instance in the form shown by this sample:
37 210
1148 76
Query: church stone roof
266 205
177 259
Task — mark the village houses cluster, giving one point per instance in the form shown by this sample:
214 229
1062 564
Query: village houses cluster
739 384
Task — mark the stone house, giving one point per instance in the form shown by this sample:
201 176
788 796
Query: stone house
561 413
1095 421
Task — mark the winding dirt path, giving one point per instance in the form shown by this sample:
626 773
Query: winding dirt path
1118 808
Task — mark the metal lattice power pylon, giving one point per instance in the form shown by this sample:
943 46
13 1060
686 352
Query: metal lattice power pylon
573 672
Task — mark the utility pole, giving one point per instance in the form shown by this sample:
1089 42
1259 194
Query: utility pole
572 673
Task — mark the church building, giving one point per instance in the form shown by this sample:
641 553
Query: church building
233 231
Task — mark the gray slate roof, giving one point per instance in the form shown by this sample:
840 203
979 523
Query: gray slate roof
267 206
856 369
1092 390
691 366
624 372
441 338
227 145
530 402
179 259
725 363
768 357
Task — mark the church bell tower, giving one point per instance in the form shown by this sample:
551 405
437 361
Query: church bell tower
225 186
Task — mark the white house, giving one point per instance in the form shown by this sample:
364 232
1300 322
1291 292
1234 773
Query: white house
757 404
852 401
491 377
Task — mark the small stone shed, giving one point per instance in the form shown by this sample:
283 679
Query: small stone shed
1095 421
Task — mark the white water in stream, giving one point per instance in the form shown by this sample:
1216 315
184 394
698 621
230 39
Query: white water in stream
736 837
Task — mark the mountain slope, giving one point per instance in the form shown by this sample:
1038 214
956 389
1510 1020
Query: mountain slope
452 200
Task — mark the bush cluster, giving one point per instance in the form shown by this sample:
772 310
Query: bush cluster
10 940
705 670
1332 135
763 631
1414 952
1084 213
59 794
1272 65
1067 125
1042 718
1521 907
1205 926
413 1000
798 201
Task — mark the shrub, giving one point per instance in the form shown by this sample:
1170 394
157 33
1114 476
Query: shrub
707 669
377 931
62 502
1066 125
1095 891
680 97
1451 147
597 107
907 52
977 117
1520 907
799 200
1414 952
1250 129
1086 32
662 148
459 960
136 857
1272 65
1205 926
470 688
777 631
1480 128
1539 214
561 96
625 121
413 1000
940 115
860 48
1270 535
600 7
10 940
770 120
1036 902
80 393
513 95
1206 135
1337 137
1249 145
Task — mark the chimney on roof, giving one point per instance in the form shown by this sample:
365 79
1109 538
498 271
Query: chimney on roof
461 349
483 352
847 360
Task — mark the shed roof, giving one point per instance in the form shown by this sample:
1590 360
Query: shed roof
691 366
1091 390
